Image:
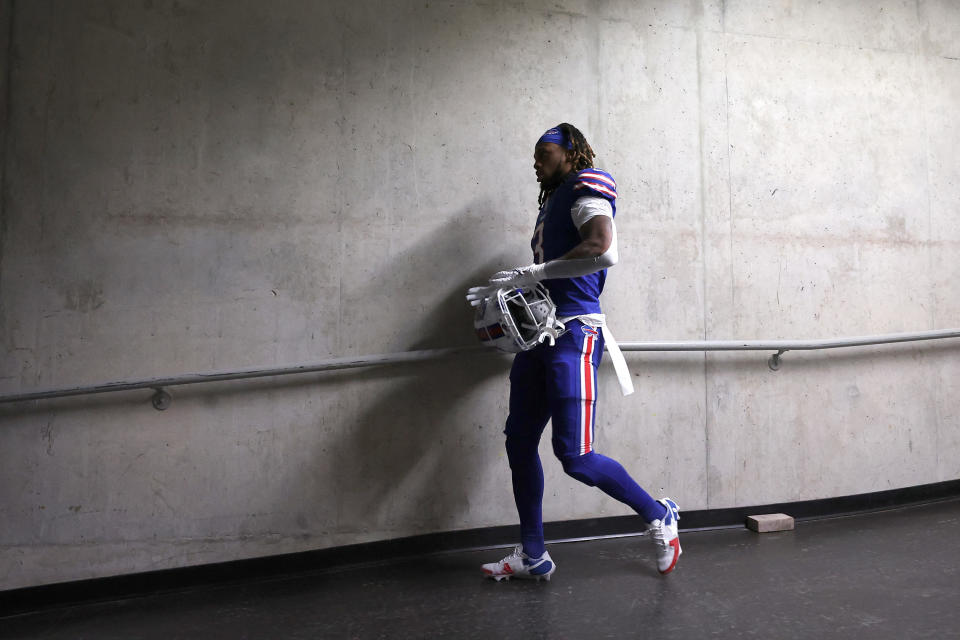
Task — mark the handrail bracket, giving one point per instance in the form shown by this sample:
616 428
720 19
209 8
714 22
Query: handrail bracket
161 399
774 361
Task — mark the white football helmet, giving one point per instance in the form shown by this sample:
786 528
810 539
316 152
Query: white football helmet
515 320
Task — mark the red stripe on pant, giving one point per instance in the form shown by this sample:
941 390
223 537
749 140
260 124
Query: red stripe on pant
587 387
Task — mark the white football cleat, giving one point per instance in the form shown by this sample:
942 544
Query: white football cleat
666 538
520 565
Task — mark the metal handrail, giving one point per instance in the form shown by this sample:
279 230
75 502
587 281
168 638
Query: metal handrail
333 364
161 399
788 345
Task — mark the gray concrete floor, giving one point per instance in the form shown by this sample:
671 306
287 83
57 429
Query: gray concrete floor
892 574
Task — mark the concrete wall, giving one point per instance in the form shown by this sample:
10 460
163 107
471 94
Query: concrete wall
190 186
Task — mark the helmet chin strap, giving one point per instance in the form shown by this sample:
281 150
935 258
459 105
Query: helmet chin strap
548 336
552 331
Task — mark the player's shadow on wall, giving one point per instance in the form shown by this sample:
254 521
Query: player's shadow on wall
413 458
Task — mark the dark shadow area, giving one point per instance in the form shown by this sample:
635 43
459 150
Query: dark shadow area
409 456
423 548
844 577
401 462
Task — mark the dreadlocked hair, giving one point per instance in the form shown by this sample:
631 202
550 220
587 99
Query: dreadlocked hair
583 156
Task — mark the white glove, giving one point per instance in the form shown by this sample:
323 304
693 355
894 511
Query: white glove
476 295
519 277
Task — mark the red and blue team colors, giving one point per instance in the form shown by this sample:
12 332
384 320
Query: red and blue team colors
560 383
555 235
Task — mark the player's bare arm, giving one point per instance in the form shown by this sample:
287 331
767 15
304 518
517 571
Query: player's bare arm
597 237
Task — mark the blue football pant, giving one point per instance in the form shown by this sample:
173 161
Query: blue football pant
560 383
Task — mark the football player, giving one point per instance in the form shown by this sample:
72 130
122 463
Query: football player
574 243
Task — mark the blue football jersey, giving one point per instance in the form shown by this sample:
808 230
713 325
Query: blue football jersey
555 235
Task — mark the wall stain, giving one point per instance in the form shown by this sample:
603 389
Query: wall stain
46 433
83 296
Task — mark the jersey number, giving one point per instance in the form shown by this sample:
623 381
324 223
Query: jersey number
538 244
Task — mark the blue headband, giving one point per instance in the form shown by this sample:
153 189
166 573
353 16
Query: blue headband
556 136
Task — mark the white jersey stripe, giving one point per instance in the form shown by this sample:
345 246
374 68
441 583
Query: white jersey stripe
587 396
596 187
598 176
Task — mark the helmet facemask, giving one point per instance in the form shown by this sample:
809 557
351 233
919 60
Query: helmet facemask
516 320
